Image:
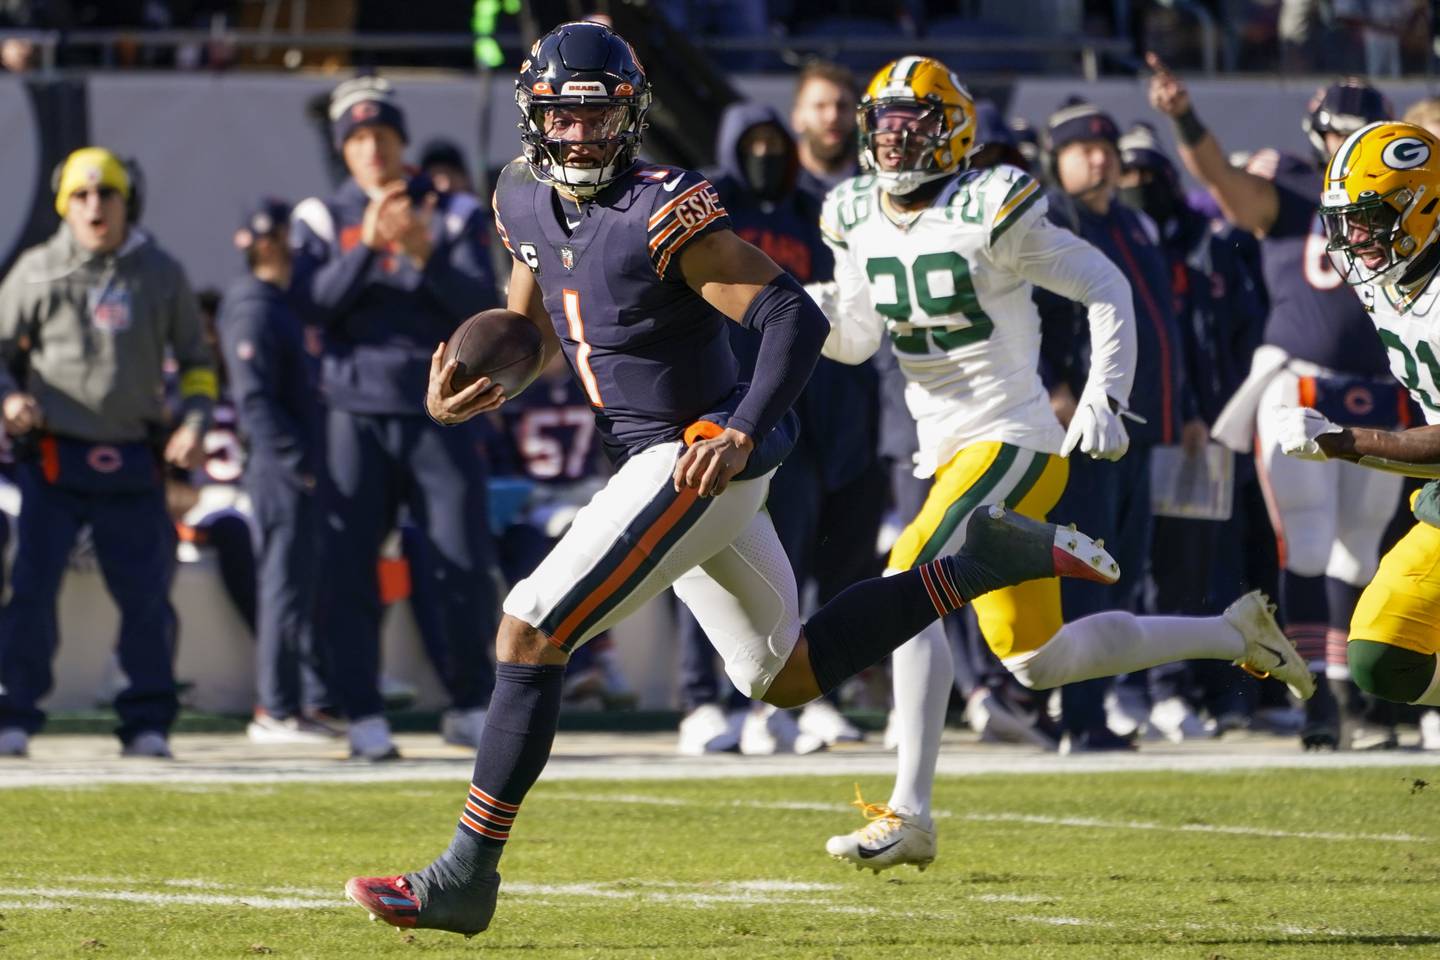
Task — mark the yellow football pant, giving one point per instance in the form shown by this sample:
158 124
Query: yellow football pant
1401 606
1015 619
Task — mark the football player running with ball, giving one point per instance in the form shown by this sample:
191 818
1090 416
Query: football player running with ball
632 270
942 259
1379 208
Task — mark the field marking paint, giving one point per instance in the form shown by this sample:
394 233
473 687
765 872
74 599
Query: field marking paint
1037 819
761 892
73 770
1014 898
177 899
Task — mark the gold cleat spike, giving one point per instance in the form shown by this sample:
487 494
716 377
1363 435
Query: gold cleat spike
374 918
1099 543
1071 544
1070 527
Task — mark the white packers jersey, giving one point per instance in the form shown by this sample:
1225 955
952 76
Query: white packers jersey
959 316
1410 330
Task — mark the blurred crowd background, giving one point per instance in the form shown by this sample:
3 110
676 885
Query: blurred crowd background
320 496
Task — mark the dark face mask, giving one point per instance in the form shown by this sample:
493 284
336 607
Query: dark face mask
1155 198
766 174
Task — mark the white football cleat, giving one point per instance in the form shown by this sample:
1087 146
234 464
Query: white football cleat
890 839
1268 652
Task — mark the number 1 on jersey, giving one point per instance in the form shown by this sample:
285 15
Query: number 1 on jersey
576 327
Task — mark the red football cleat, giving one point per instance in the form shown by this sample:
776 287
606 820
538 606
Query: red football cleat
387 898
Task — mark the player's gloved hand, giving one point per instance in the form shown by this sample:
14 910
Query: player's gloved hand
1096 428
1299 428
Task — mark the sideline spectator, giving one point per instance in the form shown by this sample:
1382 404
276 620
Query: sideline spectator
89 314
1200 566
1113 496
277 410
444 164
388 268
823 118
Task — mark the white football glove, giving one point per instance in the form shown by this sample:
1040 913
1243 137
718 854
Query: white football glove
1297 427
1096 429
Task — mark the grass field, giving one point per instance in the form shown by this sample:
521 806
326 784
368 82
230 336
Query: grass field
1280 863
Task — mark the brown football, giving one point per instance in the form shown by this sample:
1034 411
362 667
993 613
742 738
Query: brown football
500 344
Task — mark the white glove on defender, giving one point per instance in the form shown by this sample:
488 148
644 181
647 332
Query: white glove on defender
1297 427
1096 429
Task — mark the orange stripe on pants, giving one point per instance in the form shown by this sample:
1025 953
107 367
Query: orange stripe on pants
628 566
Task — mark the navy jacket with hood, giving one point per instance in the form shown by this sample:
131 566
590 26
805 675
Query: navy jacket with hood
837 411
382 318
271 380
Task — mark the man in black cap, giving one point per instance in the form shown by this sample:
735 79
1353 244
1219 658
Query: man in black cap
388 267
1112 496
273 389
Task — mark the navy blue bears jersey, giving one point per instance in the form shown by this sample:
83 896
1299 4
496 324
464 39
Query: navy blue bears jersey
1314 316
650 354
548 434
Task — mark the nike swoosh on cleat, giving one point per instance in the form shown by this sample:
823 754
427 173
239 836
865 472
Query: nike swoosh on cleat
868 854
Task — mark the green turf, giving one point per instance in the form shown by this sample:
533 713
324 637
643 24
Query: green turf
734 869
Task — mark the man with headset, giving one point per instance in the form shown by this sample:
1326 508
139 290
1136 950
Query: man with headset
86 319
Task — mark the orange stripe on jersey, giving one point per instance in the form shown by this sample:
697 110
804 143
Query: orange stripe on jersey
672 228
576 324
683 239
628 566
660 214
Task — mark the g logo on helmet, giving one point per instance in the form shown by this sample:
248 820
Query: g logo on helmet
1405 153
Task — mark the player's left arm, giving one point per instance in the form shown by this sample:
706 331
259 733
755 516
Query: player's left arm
743 283
1411 453
1022 239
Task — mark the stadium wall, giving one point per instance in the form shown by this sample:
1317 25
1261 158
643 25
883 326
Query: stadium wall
208 145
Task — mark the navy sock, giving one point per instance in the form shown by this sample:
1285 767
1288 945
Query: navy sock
514 747
873 617
1306 605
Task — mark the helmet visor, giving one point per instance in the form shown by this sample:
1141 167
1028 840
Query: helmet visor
902 135
1360 238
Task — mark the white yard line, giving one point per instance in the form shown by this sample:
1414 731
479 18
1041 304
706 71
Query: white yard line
759 892
202 762
1037 819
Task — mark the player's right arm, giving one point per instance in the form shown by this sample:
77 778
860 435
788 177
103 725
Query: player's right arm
449 406
1248 201
856 330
